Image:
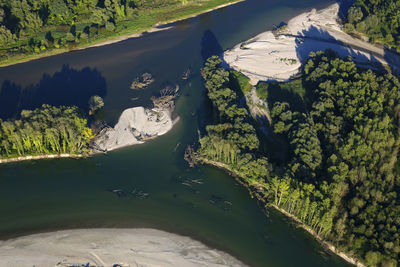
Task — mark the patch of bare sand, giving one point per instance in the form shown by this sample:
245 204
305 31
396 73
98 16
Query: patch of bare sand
278 55
106 247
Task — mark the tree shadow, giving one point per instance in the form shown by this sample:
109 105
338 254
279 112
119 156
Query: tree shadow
67 87
392 57
210 46
315 39
344 6
286 92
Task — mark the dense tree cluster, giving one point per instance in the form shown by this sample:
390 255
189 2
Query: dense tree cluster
233 135
378 19
33 26
356 115
54 23
46 130
234 142
341 175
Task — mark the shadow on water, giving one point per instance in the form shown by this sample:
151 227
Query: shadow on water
67 87
210 45
344 6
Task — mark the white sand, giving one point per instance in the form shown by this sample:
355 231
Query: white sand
266 57
134 126
106 247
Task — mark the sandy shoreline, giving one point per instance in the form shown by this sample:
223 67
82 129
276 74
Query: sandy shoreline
278 55
51 156
106 247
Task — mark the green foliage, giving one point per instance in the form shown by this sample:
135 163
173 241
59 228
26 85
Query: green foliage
95 103
378 19
25 20
243 81
262 90
352 128
341 174
46 130
234 134
110 26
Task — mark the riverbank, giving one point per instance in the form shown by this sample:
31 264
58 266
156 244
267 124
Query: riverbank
51 156
278 55
145 24
108 247
255 191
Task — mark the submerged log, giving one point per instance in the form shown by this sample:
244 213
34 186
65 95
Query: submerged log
186 74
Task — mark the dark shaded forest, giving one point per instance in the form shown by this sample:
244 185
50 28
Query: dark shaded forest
340 175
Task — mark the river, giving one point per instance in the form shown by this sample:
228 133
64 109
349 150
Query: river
40 196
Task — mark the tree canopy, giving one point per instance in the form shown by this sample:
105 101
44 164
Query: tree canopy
45 130
341 173
378 19
37 26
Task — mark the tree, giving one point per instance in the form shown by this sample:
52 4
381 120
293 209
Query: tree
95 103
355 14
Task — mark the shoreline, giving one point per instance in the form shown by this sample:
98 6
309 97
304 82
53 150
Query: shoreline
108 246
325 244
115 39
38 157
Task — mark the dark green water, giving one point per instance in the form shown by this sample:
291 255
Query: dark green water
47 195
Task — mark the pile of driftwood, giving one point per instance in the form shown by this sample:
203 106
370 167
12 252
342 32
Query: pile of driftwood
190 156
165 100
143 81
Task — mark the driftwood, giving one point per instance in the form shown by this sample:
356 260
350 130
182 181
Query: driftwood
190 156
143 81
166 98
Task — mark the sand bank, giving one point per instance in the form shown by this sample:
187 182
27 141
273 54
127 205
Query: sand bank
278 55
135 126
106 247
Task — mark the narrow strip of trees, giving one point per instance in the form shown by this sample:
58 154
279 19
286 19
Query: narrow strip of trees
46 130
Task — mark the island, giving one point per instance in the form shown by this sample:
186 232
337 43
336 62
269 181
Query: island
60 132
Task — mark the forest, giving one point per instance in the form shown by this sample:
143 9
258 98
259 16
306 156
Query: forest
40 26
378 19
45 130
340 172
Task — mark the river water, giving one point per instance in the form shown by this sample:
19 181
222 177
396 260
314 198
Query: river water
38 196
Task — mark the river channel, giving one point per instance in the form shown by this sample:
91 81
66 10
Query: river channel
203 202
